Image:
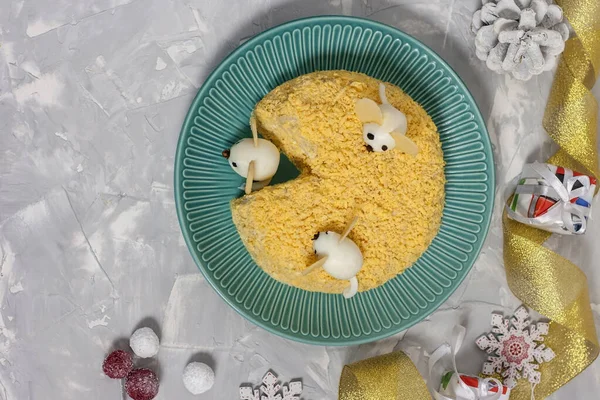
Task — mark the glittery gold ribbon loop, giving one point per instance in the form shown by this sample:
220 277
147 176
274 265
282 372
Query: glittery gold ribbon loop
388 377
542 279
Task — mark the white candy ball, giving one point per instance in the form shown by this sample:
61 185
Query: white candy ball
344 258
265 156
378 139
144 343
198 377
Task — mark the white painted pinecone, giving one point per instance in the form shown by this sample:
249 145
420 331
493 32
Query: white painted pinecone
520 37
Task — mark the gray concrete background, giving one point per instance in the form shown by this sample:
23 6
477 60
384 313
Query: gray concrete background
92 97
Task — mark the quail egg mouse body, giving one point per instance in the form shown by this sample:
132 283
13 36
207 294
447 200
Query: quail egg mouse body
377 138
344 259
265 156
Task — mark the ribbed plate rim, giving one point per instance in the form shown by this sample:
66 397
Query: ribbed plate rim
203 91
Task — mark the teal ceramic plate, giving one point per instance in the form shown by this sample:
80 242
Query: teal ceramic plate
204 182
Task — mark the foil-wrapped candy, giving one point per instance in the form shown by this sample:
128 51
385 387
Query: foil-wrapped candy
471 388
552 198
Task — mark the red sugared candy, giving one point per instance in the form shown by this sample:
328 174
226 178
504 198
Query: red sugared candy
141 384
118 364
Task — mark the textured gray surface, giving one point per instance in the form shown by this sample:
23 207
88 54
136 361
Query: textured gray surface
92 97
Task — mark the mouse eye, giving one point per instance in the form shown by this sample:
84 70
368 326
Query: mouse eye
234 164
370 136
384 147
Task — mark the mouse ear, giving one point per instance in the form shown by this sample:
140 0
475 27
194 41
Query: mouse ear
404 144
368 111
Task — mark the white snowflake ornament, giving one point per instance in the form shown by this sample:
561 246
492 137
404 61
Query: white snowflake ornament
516 351
271 390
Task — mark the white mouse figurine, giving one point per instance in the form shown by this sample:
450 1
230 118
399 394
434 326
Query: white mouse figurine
339 256
255 159
384 127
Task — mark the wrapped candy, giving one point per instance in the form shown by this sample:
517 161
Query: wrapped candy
472 387
457 386
552 198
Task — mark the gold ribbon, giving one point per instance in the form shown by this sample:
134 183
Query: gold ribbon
540 278
388 377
